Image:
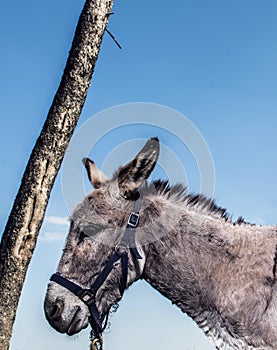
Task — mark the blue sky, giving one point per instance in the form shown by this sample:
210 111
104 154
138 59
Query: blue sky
212 61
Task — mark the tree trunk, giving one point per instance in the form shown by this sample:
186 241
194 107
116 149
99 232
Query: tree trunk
21 232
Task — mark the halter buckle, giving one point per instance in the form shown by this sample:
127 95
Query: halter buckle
133 219
87 297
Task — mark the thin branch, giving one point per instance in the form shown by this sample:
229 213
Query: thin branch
113 37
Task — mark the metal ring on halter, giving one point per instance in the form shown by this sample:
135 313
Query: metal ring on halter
121 247
96 344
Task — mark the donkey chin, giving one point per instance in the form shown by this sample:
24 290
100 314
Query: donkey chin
65 313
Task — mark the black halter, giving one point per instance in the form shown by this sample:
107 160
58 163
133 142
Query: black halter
97 320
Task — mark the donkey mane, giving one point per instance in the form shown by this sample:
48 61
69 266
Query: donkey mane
178 193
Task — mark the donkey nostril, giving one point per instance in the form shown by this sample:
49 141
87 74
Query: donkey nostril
56 310
53 311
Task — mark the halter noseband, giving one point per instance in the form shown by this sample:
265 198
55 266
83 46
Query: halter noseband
98 321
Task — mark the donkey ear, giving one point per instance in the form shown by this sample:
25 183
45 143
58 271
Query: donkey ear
95 175
132 175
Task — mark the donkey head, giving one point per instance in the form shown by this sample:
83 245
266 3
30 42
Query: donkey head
97 225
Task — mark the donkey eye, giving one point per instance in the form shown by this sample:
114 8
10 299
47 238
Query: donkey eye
91 229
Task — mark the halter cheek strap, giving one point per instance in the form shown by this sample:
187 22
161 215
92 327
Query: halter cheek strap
129 237
88 296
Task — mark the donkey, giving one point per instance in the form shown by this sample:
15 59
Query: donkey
221 273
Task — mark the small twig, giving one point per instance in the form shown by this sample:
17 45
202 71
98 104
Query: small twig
113 37
109 14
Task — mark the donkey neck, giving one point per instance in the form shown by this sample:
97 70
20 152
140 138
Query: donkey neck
181 262
207 266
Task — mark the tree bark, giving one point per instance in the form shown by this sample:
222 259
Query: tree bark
22 228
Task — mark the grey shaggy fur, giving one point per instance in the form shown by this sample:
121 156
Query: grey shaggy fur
222 274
